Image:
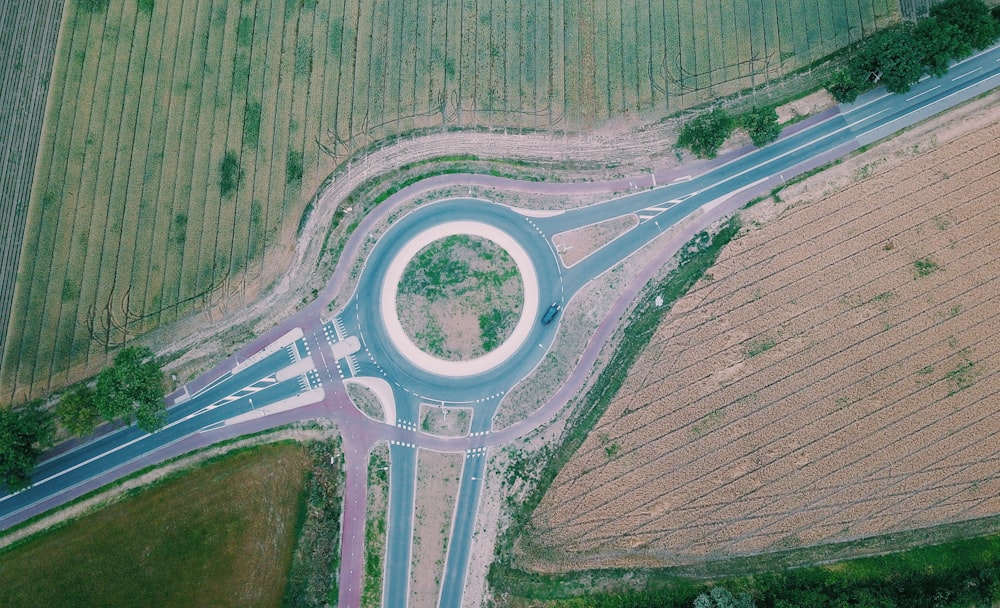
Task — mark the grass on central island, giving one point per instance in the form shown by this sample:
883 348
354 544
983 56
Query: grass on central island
220 535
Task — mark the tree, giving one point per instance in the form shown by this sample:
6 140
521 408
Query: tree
940 43
972 18
77 411
848 83
706 133
720 597
24 433
132 389
895 54
762 125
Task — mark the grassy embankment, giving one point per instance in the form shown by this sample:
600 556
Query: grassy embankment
223 533
130 225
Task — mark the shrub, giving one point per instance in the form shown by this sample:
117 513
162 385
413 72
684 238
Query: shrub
706 133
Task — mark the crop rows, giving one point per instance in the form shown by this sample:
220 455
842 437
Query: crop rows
28 35
128 226
821 387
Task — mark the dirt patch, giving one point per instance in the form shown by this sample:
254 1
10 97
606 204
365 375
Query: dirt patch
806 106
447 421
575 245
460 297
824 383
438 477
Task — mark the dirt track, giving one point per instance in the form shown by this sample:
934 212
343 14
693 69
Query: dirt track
835 379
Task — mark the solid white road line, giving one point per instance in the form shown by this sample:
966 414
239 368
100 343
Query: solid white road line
924 93
966 74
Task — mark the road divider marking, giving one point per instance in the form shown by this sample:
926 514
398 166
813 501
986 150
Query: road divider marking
960 76
924 93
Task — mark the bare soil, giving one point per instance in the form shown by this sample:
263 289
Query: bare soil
575 245
833 378
809 105
438 476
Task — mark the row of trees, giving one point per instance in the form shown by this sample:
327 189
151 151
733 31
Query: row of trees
129 391
899 56
706 133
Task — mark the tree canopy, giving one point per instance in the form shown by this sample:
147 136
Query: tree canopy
24 433
970 17
77 411
900 55
894 53
132 389
720 597
706 133
762 125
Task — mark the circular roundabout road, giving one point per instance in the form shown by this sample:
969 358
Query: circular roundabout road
472 380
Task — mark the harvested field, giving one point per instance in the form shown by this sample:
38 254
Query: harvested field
131 223
834 377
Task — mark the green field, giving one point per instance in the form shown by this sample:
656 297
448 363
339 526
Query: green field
130 226
222 535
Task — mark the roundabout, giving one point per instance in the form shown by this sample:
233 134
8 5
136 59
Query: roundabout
437 365
429 377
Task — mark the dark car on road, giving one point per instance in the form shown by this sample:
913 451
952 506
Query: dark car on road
550 313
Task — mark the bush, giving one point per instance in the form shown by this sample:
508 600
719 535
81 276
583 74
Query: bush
762 125
230 174
706 133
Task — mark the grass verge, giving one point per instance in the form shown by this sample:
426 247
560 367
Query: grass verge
375 526
312 579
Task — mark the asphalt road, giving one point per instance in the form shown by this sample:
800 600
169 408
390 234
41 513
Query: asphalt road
234 388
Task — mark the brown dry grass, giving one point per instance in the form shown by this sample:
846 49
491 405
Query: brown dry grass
824 383
438 477
574 245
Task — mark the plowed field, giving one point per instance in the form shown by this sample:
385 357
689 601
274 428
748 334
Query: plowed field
835 377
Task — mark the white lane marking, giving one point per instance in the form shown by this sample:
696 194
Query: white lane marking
962 90
966 74
922 94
